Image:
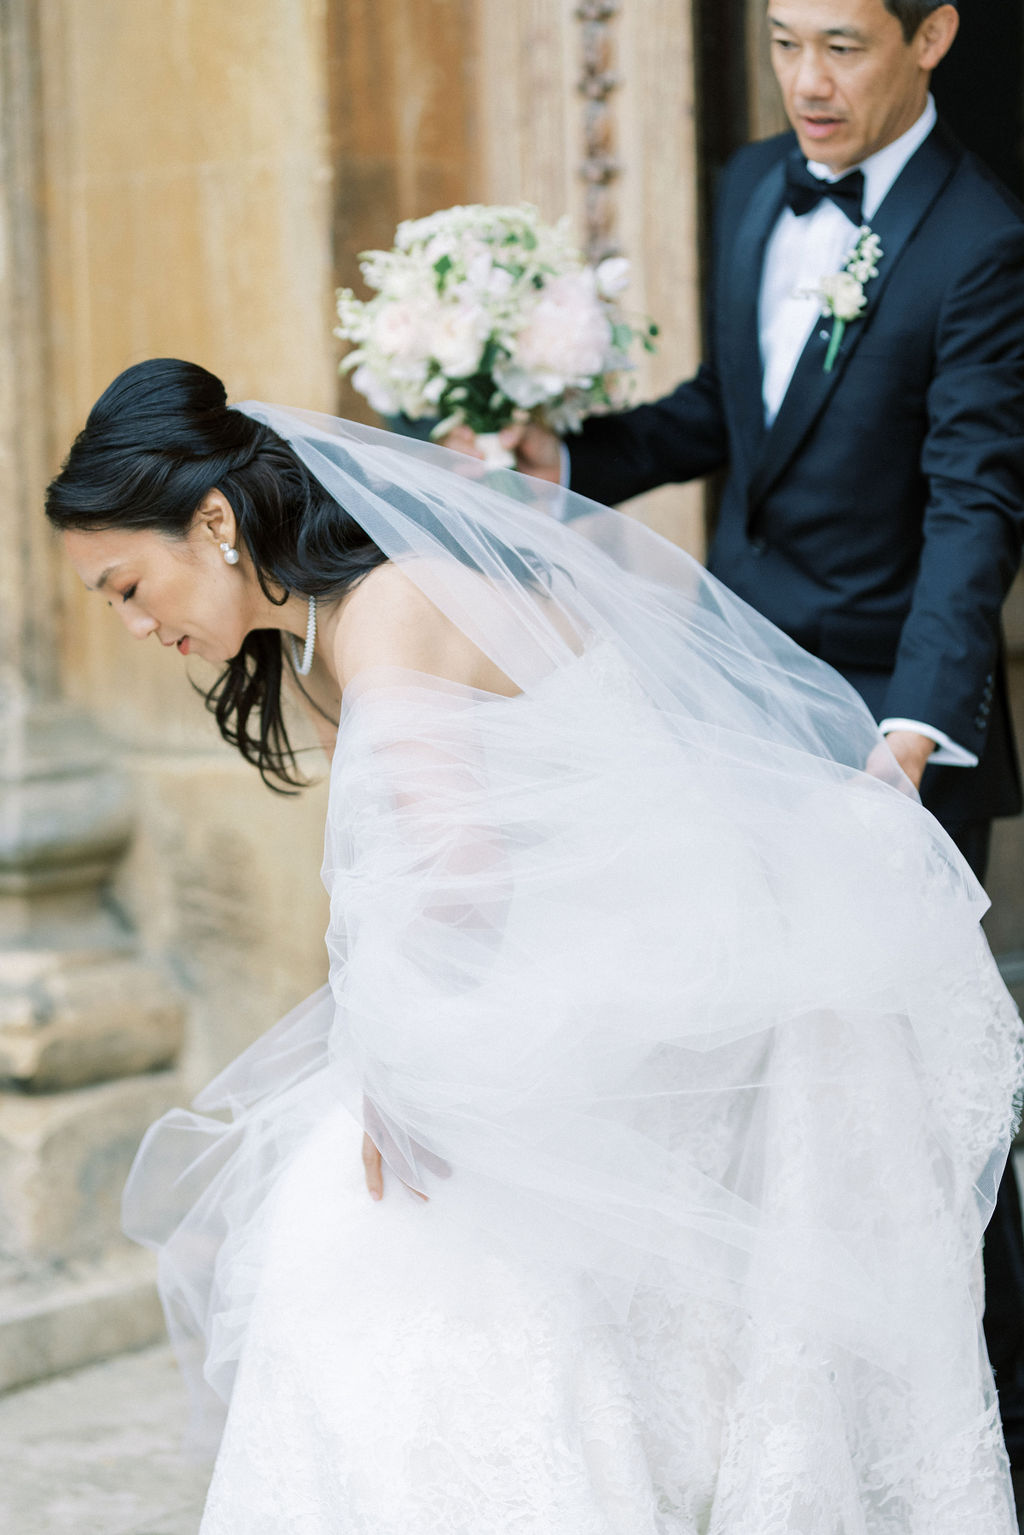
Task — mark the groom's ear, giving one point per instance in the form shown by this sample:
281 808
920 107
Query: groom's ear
935 36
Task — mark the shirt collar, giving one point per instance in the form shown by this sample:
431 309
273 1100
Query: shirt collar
882 168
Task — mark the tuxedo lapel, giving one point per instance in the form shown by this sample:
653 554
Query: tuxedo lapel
740 364
906 205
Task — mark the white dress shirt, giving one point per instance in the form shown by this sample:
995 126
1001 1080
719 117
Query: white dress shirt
800 252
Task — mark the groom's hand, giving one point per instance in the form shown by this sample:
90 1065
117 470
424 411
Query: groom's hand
911 752
538 451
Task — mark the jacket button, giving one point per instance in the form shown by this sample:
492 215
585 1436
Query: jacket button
758 545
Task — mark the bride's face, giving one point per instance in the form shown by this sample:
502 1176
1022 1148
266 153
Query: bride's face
180 589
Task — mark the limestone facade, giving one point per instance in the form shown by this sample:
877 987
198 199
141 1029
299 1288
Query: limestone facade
194 178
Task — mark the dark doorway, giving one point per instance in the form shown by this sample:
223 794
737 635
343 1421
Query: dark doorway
979 88
720 69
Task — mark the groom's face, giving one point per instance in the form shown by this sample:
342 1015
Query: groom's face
851 81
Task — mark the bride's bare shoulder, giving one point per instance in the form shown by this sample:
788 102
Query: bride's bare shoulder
388 620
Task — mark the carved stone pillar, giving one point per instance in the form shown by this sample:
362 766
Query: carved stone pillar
85 1024
600 167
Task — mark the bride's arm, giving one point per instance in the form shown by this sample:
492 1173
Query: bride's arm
388 622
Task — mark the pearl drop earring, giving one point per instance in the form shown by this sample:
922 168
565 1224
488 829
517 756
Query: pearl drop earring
230 554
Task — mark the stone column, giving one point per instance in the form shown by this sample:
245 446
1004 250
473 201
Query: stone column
86 1026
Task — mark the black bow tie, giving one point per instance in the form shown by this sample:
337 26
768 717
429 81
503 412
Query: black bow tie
804 191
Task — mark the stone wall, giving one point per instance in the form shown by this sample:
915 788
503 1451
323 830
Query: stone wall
568 106
187 188
193 179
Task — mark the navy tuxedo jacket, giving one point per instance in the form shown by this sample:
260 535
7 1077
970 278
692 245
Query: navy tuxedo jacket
879 520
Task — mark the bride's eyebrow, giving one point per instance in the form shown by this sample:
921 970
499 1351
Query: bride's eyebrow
101 583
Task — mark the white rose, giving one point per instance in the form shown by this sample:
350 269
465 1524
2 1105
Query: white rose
398 331
457 337
380 397
612 276
527 389
843 296
568 332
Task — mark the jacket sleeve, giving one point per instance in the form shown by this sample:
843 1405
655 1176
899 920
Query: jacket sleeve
973 462
682 436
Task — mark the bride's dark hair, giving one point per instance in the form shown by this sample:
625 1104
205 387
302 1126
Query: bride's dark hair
157 440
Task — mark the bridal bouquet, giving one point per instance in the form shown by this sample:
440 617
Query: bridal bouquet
483 316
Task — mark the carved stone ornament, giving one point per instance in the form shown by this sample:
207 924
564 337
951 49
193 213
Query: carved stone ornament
600 169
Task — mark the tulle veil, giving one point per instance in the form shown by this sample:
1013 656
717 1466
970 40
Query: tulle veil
659 964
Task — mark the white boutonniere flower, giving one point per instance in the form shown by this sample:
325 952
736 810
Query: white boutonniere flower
842 293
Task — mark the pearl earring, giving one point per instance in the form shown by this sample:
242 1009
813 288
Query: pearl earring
230 554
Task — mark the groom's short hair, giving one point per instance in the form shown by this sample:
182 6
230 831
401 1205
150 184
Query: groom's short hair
911 13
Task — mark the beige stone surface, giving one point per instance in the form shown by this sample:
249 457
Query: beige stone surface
223 877
68 1025
99 1452
64 1158
186 188
76 1313
186 196
531 147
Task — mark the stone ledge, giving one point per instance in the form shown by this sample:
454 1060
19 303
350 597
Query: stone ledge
78 1315
64 1158
65 1024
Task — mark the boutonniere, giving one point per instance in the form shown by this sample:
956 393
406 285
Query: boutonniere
842 293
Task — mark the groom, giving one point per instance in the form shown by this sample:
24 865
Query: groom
874 501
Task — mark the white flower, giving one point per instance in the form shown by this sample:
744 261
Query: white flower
380 397
398 331
843 296
612 276
457 336
568 332
524 388
476 282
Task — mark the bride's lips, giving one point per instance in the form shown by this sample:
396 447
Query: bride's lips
183 644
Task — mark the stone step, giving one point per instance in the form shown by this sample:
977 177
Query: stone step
64 1158
68 1019
66 1316
99 1452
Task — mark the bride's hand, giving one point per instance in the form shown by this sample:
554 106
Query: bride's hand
373 1169
373 1161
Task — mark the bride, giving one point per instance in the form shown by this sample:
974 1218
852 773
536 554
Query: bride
661 998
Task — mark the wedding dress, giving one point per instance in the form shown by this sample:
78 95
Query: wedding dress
660 984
